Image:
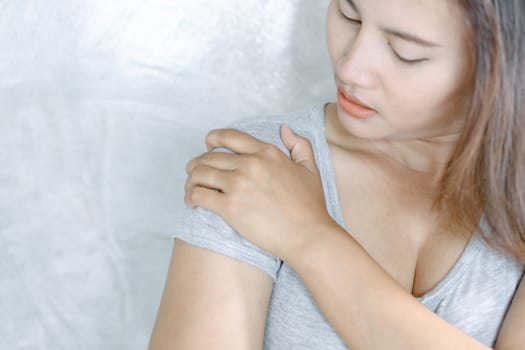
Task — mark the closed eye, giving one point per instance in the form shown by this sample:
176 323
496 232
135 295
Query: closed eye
406 60
399 57
353 20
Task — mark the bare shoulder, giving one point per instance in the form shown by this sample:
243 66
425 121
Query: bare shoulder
511 336
211 301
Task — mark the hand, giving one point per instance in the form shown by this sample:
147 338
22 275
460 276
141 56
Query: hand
275 202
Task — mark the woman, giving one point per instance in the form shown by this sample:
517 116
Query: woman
398 222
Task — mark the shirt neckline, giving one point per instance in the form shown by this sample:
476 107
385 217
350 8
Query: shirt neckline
460 267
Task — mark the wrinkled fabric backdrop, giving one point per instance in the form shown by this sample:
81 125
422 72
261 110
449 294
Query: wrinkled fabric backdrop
101 105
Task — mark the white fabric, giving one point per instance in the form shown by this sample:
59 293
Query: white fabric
101 105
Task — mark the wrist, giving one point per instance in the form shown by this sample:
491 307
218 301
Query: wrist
311 240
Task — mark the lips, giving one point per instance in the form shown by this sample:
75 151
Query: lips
353 106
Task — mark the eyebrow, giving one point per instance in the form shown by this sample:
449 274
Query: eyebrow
352 5
410 37
399 34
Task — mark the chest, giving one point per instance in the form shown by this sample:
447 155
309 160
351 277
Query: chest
395 223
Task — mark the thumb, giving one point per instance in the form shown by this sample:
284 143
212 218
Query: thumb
299 147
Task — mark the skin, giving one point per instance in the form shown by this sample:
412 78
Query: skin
400 153
191 317
417 122
394 159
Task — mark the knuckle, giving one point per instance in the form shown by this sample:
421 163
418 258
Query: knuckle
253 166
205 157
187 199
222 133
227 131
194 196
271 152
212 135
201 173
189 166
209 138
187 186
196 171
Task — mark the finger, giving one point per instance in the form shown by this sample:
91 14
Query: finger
204 198
234 140
300 148
207 176
218 160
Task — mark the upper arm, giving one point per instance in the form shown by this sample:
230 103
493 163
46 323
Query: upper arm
511 336
211 301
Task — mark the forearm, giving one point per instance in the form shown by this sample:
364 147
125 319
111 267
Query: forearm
368 308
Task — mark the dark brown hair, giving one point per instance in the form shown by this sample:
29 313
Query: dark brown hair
486 174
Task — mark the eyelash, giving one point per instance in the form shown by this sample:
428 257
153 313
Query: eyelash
401 59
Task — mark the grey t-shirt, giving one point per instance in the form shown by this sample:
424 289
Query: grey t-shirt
474 295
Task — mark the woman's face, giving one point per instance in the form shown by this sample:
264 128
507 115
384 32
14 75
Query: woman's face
407 60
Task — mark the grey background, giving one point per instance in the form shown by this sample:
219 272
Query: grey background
101 105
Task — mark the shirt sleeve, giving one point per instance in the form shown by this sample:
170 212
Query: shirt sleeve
203 228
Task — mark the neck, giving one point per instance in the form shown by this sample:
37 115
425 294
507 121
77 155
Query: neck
424 159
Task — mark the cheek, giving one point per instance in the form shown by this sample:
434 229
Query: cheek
339 35
434 92
333 43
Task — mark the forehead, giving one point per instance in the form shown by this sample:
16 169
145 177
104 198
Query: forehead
437 19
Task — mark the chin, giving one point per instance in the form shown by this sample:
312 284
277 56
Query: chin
369 129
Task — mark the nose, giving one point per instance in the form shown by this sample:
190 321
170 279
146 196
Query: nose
357 67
